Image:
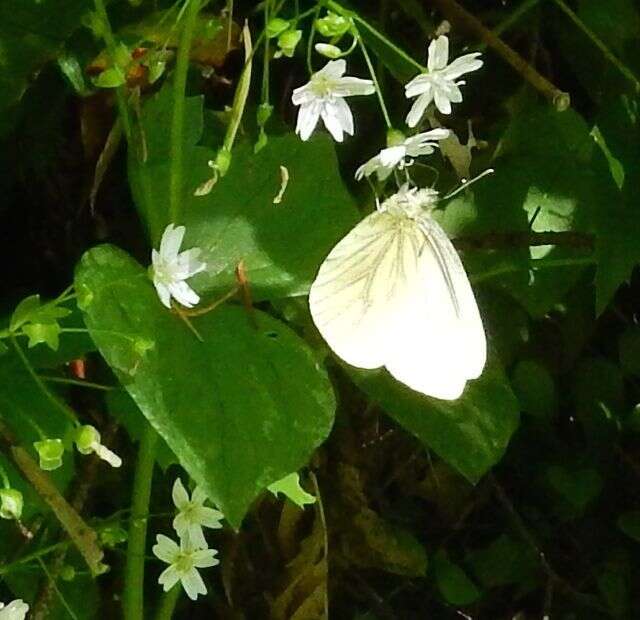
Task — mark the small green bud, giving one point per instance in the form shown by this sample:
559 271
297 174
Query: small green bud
68 573
287 42
122 56
276 26
265 110
332 25
112 536
395 137
87 438
156 69
110 78
11 503
328 51
50 452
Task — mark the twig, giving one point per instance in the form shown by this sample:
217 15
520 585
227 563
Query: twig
457 14
325 539
525 239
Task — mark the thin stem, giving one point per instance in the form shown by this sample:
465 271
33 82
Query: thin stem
133 598
312 34
537 264
79 382
599 43
54 585
5 479
374 78
56 402
110 42
265 61
168 603
177 122
514 17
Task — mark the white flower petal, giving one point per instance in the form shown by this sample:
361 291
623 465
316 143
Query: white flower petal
199 495
392 156
171 242
308 116
462 65
168 578
15 610
442 101
184 294
350 86
418 86
193 584
333 69
302 94
204 558
196 539
163 293
107 455
418 108
165 549
438 54
210 517
179 494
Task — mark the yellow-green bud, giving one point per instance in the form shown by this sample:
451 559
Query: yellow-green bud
87 438
332 25
50 453
288 41
11 503
276 26
395 137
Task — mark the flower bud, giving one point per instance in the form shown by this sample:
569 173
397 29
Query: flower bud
276 26
332 25
395 137
11 503
50 452
87 439
223 161
328 51
264 114
287 42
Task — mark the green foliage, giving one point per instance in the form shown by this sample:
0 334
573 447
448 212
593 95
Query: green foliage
290 487
241 406
470 433
281 245
454 584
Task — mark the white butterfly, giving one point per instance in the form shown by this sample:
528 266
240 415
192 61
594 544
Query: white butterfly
394 293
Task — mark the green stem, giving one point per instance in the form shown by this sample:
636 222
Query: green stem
177 122
5 479
168 603
133 598
597 41
56 402
513 18
312 34
110 41
79 383
542 263
374 77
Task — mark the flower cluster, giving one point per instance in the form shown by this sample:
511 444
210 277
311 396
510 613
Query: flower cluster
15 610
193 551
323 97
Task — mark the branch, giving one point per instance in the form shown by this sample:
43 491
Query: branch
524 239
457 14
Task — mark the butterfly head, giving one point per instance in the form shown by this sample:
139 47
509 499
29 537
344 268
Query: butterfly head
410 202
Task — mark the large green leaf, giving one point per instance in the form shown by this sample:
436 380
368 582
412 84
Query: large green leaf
470 433
240 410
282 244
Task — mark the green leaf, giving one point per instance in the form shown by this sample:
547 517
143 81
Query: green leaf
32 310
240 410
578 486
31 34
471 433
290 487
453 583
280 245
535 389
47 333
503 562
629 523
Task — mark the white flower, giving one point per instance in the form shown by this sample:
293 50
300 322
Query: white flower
439 83
88 441
15 610
323 97
193 515
171 268
184 562
388 159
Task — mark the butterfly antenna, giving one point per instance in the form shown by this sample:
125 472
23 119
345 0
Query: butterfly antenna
466 184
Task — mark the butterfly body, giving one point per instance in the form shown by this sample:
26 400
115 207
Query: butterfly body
394 293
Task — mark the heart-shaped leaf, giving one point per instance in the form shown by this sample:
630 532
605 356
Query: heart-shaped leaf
240 410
